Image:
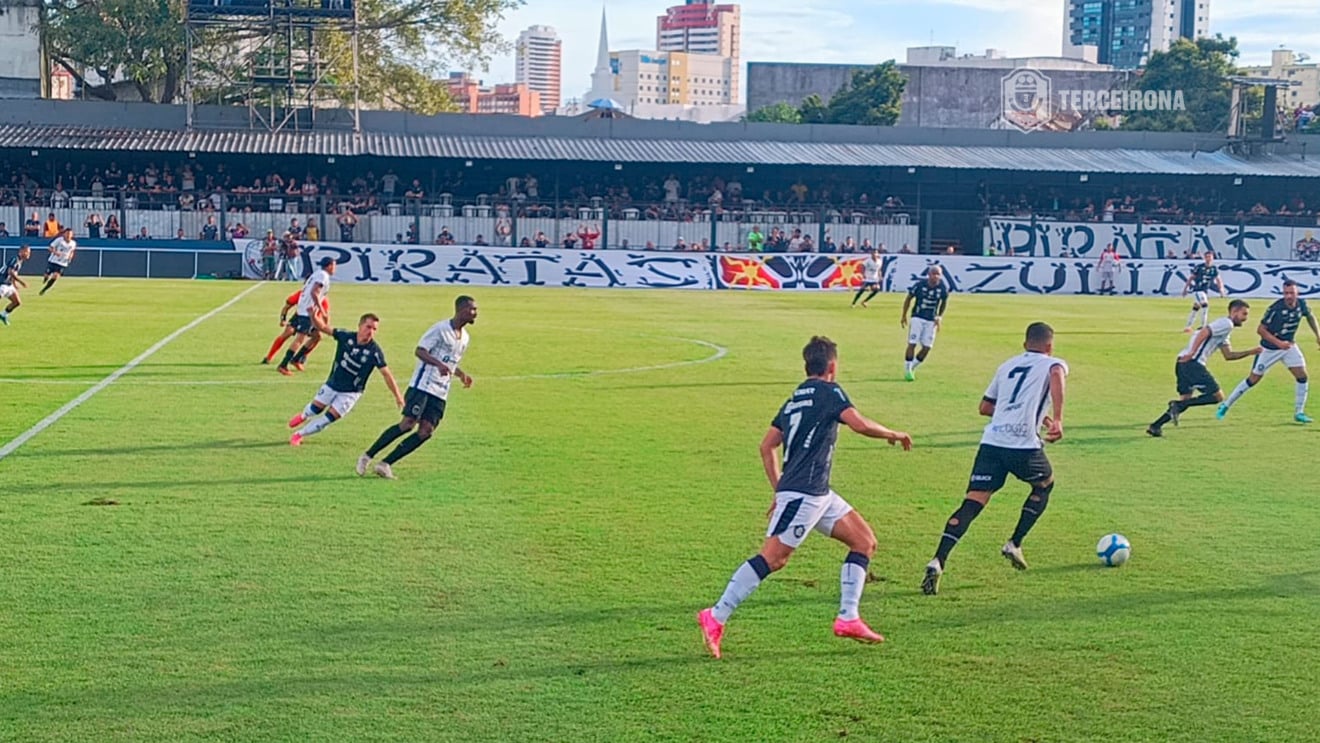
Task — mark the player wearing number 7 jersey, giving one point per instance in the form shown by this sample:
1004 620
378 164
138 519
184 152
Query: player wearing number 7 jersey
807 427
1023 389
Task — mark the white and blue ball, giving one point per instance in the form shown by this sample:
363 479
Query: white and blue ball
1113 550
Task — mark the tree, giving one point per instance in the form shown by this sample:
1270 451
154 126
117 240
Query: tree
1199 69
776 113
403 47
873 98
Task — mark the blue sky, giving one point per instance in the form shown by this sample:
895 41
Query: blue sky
867 31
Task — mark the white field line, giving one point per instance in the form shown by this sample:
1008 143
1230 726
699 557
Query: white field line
719 353
71 405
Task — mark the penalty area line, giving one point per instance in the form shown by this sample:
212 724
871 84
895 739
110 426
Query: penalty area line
73 404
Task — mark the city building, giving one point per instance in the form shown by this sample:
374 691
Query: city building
538 59
703 27
1124 33
943 89
21 54
1285 65
653 84
472 96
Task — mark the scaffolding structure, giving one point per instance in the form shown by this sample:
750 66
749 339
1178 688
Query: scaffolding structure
284 59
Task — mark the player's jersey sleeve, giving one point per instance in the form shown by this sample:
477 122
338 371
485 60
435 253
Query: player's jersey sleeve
1221 327
912 290
1306 308
992 392
432 339
944 294
839 402
343 336
1271 318
778 421
379 356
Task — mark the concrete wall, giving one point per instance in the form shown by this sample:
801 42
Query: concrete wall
20 49
936 96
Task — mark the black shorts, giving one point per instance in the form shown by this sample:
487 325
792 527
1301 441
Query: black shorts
301 324
994 464
423 406
52 267
1192 376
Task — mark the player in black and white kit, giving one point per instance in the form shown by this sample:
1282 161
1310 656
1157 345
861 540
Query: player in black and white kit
932 297
10 282
356 355
872 275
316 288
1203 277
62 250
438 354
807 427
1192 372
1024 388
1277 330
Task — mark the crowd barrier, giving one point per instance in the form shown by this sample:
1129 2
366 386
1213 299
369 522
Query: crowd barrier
485 266
1025 236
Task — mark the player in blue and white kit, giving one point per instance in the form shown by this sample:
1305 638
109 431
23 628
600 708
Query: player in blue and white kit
10 282
1277 330
932 297
1202 279
807 427
439 353
1192 372
872 275
315 289
62 250
1023 389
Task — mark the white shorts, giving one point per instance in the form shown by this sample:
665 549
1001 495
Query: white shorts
921 332
1291 358
1107 275
797 513
342 402
1201 298
7 291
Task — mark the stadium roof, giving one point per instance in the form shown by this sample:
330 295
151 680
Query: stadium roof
633 141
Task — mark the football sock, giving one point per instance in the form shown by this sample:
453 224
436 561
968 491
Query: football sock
957 527
745 580
1207 398
408 446
1303 389
1191 318
311 410
276 346
1237 393
872 295
909 365
858 295
288 357
852 579
318 424
1160 421
301 356
1032 508
916 363
386 438
1205 315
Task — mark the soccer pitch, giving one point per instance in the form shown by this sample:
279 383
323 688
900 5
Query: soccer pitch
174 571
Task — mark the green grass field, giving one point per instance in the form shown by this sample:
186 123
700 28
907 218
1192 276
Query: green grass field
534 572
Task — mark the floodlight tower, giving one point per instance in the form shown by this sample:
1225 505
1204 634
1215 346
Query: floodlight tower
283 59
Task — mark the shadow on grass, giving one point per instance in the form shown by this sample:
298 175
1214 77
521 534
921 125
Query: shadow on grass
189 446
1292 585
201 486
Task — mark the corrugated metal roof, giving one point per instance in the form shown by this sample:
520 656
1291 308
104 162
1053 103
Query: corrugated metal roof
626 150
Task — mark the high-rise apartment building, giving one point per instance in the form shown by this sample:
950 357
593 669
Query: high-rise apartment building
539 56
1124 33
703 27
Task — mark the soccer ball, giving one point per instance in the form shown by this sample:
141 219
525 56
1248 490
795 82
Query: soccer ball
1113 550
